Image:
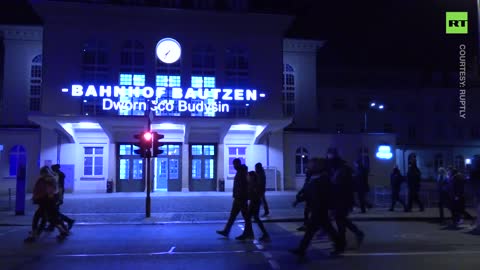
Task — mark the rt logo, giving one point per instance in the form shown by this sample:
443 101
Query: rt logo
457 22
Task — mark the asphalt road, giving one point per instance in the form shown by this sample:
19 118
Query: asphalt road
388 245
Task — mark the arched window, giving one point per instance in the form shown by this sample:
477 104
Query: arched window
35 83
459 163
301 160
95 70
132 71
16 156
438 161
288 97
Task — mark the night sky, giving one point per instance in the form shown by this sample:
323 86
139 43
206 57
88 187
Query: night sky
386 33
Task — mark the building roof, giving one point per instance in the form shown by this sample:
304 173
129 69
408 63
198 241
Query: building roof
18 12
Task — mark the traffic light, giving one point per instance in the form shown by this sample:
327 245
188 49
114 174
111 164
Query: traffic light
144 143
156 137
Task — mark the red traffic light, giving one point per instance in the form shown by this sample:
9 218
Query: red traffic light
147 136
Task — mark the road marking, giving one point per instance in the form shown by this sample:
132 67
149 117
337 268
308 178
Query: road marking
267 255
411 253
274 264
155 253
171 250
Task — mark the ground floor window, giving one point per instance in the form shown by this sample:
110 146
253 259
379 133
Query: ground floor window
93 161
301 161
234 152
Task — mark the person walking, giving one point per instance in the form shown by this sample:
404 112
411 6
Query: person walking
343 191
300 197
240 203
413 181
396 180
317 193
456 188
44 195
360 180
39 197
255 196
60 194
474 178
443 197
262 178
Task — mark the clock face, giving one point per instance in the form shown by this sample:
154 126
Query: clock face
168 50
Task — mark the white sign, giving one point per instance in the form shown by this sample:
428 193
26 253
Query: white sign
126 98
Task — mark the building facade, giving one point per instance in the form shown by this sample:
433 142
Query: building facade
219 85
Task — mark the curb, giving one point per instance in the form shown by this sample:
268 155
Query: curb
276 220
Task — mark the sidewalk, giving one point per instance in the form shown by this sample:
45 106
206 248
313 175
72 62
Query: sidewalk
276 215
182 207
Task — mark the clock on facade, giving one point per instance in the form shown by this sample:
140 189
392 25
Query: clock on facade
168 50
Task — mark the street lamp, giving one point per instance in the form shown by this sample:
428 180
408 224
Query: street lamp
375 106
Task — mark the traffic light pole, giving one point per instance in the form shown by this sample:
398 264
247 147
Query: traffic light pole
148 202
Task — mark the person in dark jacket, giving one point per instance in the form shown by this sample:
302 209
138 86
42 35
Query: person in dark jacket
240 202
262 178
60 176
300 198
360 180
413 181
44 195
317 194
396 180
255 195
343 192
474 178
456 189
442 187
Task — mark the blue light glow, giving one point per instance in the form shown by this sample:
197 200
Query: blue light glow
372 104
167 81
384 152
203 82
174 81
162 80
139 80
132 79
209 82
197 82
125 79
381 107
468 161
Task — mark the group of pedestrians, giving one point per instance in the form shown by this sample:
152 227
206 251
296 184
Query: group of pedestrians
48 194
248 193
451 195
413 184
450 187
328 194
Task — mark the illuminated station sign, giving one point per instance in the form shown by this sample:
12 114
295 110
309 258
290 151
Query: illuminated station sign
126 98
169 99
